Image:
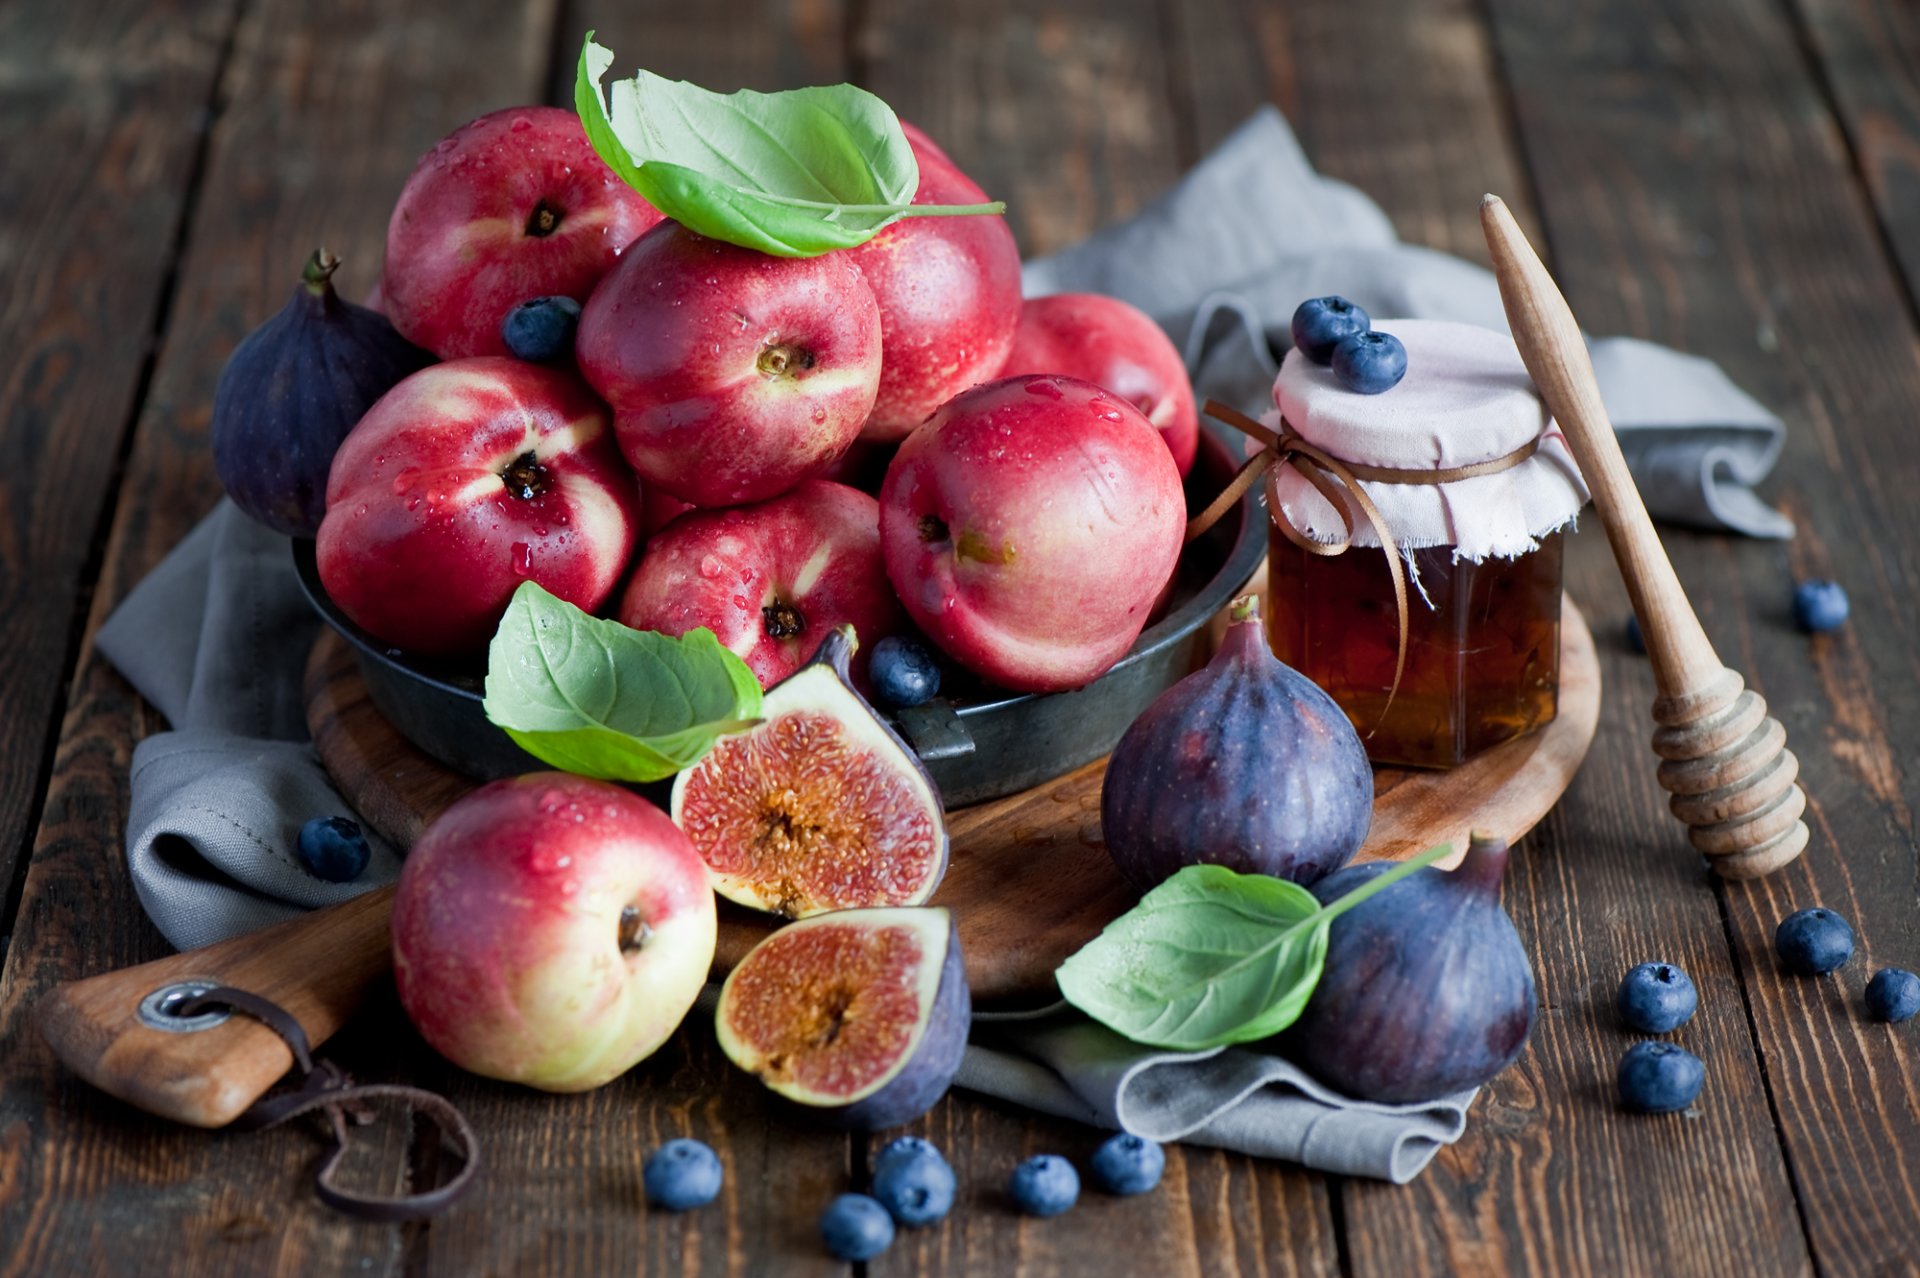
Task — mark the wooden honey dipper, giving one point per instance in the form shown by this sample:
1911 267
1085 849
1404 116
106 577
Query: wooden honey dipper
1724 759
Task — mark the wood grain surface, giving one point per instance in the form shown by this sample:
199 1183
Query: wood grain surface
1733 177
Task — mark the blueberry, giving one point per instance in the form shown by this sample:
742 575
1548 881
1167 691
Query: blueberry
904 672
541 329
1128 1164
334 849
681 1175
1369 363
1044 1185
1656 998
1893 994
855 1227
1813 942
1819 606
1659 1078
915 1184
1319 323
1636 637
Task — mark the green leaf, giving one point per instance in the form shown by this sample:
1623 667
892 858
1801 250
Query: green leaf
1212 957
602 700
796 173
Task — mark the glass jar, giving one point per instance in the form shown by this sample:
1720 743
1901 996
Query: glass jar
1483 661
1473 486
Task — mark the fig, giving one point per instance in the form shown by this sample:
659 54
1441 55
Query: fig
1426 988
1245 763
291 391
861 1016
819 806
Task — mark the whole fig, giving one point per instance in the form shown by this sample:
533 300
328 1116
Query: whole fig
1426 988
291 391
1245 763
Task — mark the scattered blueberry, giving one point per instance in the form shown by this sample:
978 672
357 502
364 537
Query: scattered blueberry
904 672
334 849
1044 1185
915 1184
1128 1164
1636 637
541 329
1656 998
1813 942
1819 606
681 1175
1893 994
1659 1078
1319 323
1369 363
855 1227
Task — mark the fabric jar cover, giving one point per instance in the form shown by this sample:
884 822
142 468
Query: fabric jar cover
1466 399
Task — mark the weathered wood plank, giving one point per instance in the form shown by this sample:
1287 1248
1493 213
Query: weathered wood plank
1061 109
329 113
1215 1212
1400 100
103 108
1700 194
1866 52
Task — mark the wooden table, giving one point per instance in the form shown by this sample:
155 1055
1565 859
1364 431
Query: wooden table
1740 178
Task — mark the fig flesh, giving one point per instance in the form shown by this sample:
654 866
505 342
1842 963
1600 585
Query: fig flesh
861 1015
291 391
820 806
1245 763
1426 989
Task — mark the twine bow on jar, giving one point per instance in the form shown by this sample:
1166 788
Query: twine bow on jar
1329 476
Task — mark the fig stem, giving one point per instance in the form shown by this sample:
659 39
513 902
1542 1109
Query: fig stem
1245 608
318 274
1485 863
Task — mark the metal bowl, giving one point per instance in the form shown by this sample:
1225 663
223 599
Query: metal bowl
979 743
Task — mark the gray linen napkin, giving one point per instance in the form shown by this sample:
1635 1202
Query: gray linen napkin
216 636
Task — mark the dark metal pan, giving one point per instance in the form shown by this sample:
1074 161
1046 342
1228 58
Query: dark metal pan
979 743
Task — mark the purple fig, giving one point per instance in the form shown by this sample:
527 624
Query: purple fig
1426 988
291 391
1246 763
819 806
861 1015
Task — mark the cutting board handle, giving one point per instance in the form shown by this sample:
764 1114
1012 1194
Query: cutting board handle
114 1030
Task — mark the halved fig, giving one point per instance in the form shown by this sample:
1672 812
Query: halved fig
819 806
859 1015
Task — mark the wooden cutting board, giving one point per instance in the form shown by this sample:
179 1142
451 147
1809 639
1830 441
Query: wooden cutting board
1029 881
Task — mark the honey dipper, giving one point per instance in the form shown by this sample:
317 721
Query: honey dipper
1723 758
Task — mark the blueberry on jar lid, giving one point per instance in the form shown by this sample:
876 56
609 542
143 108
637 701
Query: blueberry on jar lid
1319 324
1370 363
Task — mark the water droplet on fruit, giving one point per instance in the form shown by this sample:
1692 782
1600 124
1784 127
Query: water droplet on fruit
819 413
361 509
522 559
404 480
1108 415
1045 388
539 530
711 568
413 502
520 124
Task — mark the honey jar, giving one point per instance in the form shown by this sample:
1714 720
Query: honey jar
1456 483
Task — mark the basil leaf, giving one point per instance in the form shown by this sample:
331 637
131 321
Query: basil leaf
796 173
599 699
1212 957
